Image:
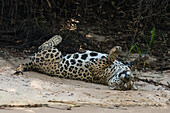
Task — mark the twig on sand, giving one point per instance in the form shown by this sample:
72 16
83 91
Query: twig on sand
25 106
167 86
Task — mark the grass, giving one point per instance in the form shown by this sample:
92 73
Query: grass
148 43
135 46
163 36
151 39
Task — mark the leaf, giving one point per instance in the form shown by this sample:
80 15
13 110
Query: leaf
163 36
152 36
138 49
131 48
151 39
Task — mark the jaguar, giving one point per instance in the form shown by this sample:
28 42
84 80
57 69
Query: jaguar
88 66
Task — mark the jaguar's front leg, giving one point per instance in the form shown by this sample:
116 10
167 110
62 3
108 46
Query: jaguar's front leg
114 53
101 64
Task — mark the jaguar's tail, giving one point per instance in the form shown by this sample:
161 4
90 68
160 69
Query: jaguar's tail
24 67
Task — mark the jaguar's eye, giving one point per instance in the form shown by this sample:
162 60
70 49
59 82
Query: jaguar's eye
123 74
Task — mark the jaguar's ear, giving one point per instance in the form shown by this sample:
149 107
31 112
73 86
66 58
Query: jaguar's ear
133 64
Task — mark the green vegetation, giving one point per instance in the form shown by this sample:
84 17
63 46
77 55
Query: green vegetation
135 46
148 43
151 40
16 60
163 36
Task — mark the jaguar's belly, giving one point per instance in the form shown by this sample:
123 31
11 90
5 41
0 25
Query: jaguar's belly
73 66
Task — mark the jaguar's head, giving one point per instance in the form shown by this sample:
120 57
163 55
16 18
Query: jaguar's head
121 76
122 79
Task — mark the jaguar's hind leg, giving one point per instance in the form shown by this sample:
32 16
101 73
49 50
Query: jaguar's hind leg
47 56
54 41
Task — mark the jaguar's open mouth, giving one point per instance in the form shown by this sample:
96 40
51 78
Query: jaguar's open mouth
122 84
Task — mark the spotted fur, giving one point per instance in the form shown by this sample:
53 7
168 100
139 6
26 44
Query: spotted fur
89 66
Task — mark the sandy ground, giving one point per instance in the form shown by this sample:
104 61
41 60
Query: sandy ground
88 109
68 96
